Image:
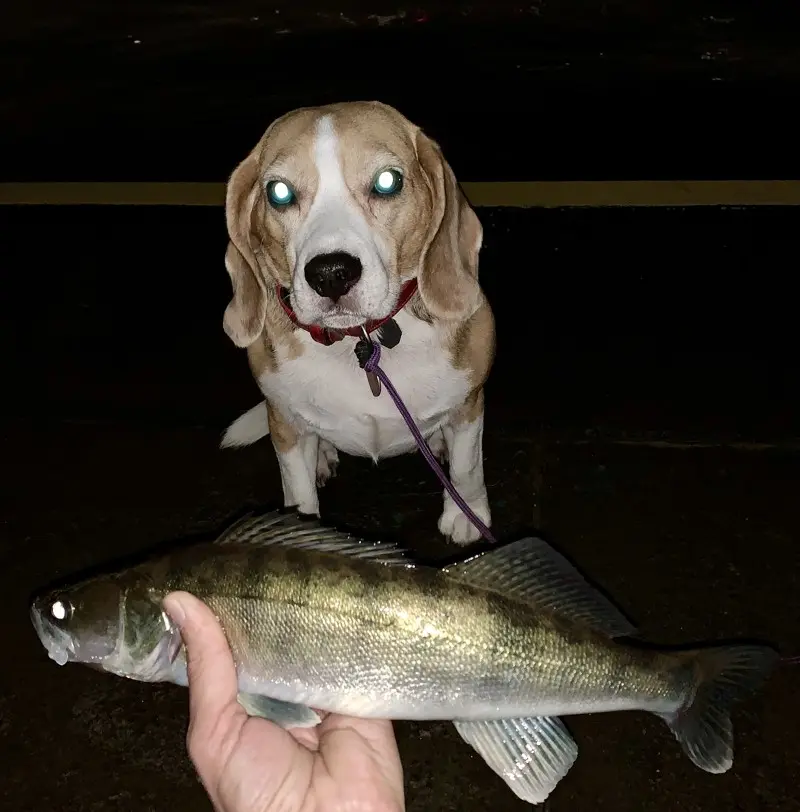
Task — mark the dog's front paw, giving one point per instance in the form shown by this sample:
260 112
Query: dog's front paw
327 462
455 525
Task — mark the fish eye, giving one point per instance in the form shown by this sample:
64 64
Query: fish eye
60 610
280 194
388 182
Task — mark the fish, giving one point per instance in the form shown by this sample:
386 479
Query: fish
503 643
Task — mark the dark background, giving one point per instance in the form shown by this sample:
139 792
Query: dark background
577 89
608 320
643 410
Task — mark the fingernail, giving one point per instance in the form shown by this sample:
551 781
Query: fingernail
174 608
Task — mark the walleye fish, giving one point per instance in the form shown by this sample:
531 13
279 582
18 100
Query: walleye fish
502 643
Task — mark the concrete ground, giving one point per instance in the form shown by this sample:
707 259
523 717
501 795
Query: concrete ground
645 420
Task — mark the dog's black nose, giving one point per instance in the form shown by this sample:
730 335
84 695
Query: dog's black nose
332 275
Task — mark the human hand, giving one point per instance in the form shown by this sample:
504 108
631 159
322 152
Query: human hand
249 764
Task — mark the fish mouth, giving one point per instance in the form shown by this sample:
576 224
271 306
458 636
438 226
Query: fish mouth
59 644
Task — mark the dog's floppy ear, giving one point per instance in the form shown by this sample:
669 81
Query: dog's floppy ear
448 275
244 315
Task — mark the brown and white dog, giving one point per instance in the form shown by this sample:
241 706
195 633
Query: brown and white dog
346 216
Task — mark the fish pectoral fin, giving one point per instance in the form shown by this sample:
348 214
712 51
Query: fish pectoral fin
531 755
531 571
285 714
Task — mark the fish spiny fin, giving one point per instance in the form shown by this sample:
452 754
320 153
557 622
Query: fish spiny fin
531 571
531 755
285 714
278 528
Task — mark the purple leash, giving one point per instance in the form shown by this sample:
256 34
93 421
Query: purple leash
372 367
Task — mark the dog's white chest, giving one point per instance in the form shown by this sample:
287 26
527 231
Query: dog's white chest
325 391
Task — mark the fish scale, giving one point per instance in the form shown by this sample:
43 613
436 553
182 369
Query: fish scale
436 637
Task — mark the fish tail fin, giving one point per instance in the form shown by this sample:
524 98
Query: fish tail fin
247 428
724 675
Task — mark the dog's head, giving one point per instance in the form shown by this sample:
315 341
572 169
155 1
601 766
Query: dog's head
342 205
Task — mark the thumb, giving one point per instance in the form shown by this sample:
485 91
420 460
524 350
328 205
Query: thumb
213 684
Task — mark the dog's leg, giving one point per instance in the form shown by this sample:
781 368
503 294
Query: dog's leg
298 474
463 436
297 457
438 446
327 462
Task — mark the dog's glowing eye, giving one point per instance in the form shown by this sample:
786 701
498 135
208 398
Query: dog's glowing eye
279 193
387 182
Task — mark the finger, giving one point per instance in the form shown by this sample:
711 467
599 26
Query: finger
342 738
378 733
213 684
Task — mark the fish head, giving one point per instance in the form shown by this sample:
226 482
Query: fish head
81 623
108 624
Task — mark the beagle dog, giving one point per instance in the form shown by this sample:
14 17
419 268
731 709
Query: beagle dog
346 218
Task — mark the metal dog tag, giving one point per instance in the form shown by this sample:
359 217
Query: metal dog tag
363 351
374 383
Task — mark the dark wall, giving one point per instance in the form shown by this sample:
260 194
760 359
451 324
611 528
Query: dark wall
579 89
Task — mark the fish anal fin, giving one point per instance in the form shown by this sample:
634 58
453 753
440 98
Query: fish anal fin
530 754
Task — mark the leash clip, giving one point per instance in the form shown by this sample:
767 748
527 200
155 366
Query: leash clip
364 349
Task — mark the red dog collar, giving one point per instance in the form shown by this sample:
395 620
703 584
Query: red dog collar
328 335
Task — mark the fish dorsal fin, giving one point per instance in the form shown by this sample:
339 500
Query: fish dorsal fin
278 528
532 572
